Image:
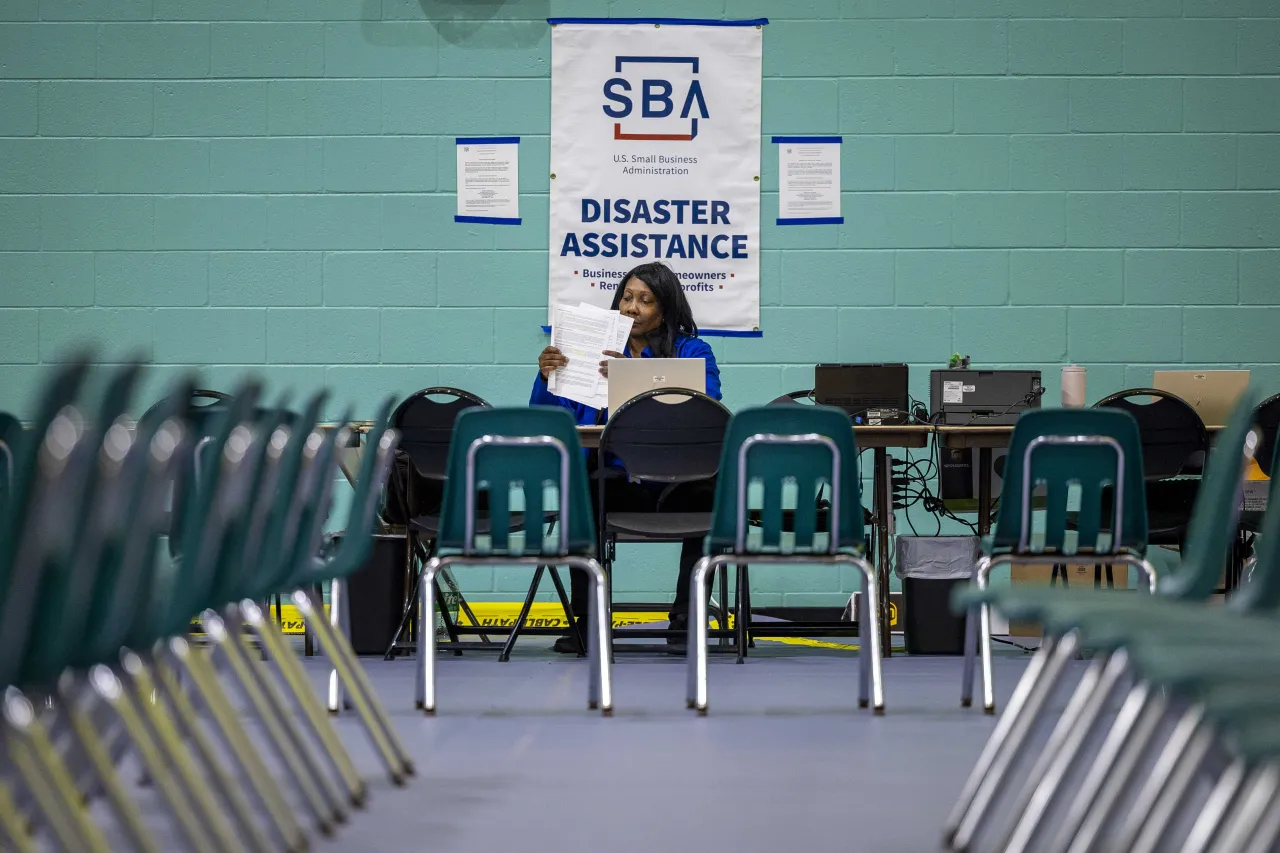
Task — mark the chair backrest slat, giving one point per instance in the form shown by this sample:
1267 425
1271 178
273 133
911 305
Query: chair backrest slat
785 448
1074 450
499 466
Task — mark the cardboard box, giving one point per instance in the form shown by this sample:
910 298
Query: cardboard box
1078 575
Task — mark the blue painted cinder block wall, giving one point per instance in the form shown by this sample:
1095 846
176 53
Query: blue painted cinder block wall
266 185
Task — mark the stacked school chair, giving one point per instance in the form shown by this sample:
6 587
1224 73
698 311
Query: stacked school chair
103 676
1170 739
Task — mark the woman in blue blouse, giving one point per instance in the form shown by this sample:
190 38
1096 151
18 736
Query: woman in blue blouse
662 327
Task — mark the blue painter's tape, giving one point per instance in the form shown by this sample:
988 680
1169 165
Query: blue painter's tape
671 22
488 140
798 140
817 220
488 220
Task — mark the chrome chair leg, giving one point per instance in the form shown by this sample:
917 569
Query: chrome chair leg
1209 821
375 725
1028 688
1060 753
970 811
1254 801
109 689
299 687
1156 823
1104 761
156 715
204 683
86 736
224 784
1267 831
1106 804
282 742
1160 776
47 778
14 830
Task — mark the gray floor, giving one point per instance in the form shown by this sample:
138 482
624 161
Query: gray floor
784 761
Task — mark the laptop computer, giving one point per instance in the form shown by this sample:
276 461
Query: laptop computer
630 377
872 394
1212 393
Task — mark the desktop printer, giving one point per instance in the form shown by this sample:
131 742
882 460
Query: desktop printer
982 397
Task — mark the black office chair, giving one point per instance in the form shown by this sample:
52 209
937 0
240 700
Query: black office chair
669 437
1174 440
415 489
794 397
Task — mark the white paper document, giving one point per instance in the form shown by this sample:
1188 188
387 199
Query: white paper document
808 181
489 180
583 334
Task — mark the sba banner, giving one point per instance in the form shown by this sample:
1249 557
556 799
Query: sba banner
655 156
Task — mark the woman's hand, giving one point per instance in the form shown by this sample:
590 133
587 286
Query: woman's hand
550 359
604 365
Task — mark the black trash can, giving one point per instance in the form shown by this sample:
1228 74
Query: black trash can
376 593
930 567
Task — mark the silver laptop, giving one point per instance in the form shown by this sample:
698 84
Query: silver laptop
630 377
1212 393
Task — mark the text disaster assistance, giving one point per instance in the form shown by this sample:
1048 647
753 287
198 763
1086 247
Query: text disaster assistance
624 244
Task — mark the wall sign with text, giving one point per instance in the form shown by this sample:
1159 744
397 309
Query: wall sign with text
655 156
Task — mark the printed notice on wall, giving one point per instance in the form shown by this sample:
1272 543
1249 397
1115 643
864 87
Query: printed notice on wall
808 180
489 180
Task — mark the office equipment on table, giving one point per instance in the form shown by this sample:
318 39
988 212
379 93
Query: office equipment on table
872 394
631 377
986 397
1211 393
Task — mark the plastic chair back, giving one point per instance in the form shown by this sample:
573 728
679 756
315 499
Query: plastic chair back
1097 451
425 423
1172 431
57 591
1216 513
668 435
526 450
244 533
127 563
375 465
774 447
184 589
272 567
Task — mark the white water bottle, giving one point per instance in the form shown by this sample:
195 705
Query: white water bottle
1073 380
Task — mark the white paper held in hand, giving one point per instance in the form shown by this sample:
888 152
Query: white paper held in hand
583 334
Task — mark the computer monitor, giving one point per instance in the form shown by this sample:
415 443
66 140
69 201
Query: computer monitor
631 377
982 397
872 394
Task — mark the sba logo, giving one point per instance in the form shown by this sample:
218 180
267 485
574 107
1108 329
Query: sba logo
658 97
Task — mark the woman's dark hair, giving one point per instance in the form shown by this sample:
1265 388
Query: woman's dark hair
677 316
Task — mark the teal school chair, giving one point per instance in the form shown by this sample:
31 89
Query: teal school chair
790 454
526 453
